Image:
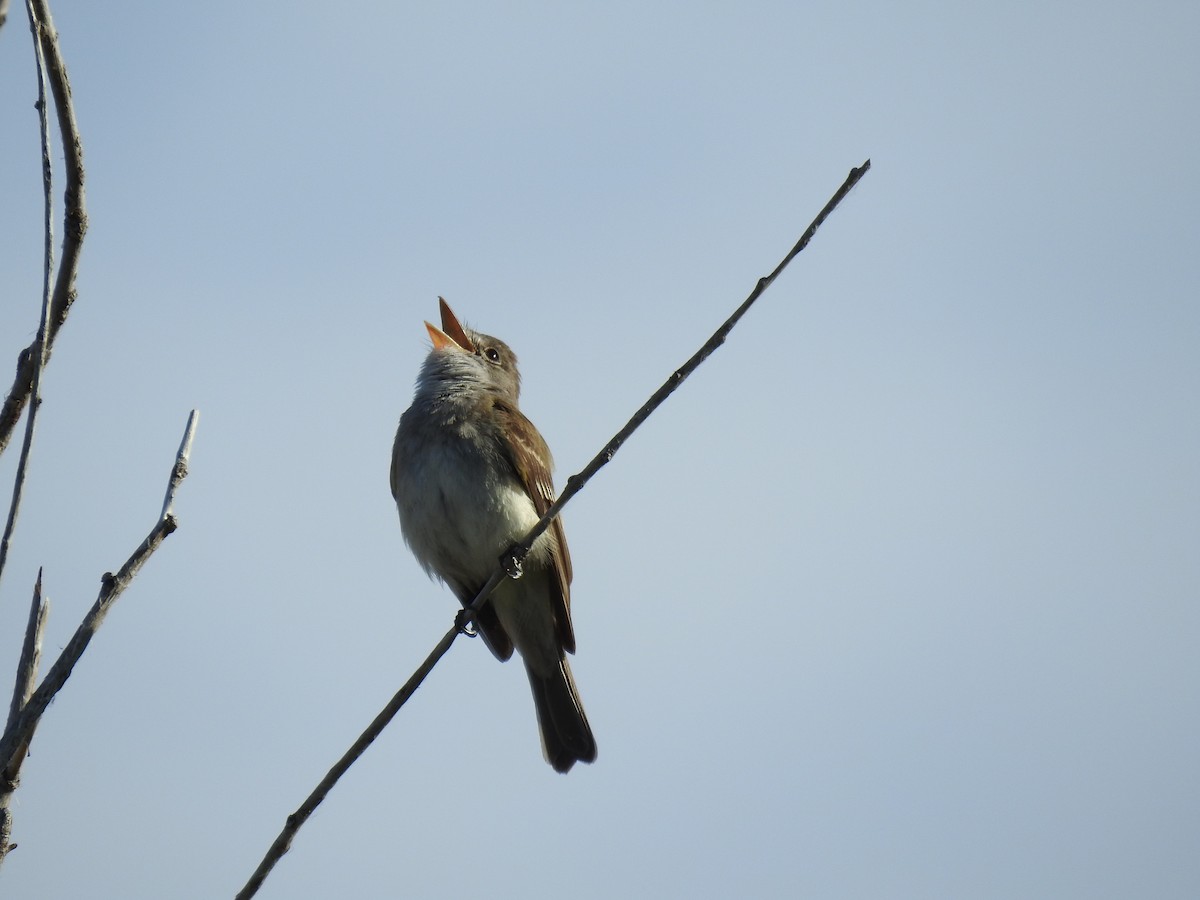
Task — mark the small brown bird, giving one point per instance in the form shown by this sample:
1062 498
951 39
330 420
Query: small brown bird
471 476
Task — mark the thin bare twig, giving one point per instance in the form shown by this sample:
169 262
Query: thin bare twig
180 469
27 666
17 734
283 842
39 345
74 220
31 651
516 556
510 563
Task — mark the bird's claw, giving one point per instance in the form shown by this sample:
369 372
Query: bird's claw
513 566
465 623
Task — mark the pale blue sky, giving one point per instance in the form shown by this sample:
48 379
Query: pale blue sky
899 597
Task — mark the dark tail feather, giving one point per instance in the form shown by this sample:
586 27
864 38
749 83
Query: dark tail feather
566 735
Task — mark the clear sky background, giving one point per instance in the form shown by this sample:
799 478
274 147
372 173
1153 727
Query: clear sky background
898 597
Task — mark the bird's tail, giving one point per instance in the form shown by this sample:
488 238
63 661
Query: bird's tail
566 735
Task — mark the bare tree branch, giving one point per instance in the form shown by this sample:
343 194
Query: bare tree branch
31 651
74 219
283 843
513 559
17 734
38 355
27 666
510 563
180 469
27 704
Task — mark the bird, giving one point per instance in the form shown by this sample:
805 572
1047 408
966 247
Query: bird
471 475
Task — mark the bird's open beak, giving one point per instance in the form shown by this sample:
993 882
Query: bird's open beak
451 334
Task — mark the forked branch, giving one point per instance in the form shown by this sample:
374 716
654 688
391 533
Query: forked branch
74 218
17 734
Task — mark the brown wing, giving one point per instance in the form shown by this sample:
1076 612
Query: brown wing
531 461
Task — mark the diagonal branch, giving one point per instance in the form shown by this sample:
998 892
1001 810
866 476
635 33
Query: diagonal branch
180 469
17 734
510 562
74 219
513 559
283 842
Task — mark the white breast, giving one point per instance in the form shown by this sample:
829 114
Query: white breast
457 516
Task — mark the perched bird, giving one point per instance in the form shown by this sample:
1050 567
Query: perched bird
471 476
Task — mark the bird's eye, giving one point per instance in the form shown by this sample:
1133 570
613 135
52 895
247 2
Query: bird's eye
492 354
